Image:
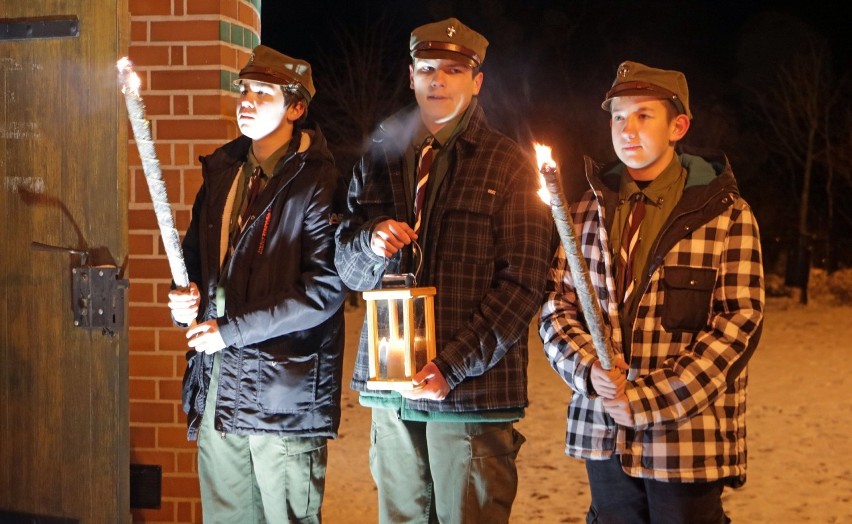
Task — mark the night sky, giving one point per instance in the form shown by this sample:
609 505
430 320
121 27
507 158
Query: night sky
549 64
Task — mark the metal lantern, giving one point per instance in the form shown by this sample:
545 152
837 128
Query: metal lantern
401 334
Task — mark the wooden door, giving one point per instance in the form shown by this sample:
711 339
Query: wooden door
63 161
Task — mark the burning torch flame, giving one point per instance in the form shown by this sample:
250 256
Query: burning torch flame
544 161
128 78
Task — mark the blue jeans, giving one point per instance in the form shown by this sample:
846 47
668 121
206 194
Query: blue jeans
620 499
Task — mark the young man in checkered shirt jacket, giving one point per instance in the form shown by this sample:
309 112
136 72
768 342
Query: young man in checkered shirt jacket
663 432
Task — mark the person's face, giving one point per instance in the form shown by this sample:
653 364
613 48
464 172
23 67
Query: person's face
261 110
643 136
443 89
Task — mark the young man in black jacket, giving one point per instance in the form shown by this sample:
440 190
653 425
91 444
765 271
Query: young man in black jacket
262 386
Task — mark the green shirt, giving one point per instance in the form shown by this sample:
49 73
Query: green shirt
661 196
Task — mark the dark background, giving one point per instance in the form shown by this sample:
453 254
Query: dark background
549 64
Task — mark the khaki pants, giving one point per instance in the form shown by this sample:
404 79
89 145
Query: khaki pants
258 479
447 472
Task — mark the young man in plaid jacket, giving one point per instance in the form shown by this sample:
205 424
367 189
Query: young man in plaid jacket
446 450
682 293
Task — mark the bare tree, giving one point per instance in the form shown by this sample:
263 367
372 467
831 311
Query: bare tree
363 78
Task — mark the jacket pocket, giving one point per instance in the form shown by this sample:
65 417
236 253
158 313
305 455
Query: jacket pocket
467 226
688 295
288 385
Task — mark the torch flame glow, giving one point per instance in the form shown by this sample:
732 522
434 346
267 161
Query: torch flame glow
128 78
544 160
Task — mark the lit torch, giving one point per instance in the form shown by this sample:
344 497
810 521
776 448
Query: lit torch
130 84
551 192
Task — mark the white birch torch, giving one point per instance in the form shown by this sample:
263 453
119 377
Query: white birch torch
552 193
130 84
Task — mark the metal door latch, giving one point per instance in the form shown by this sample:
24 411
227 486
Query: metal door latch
97 292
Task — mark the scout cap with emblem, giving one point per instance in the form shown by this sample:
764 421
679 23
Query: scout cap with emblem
635 79
448 39
268 65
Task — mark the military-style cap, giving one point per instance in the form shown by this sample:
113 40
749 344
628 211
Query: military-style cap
448 39
635 79
268 65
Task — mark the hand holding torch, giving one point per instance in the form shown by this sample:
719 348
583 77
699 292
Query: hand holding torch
553 193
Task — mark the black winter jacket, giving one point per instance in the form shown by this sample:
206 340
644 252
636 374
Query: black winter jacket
283 321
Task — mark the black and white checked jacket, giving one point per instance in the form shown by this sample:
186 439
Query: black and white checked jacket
697 324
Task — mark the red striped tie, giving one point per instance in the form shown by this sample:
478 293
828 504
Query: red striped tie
427 153
627 254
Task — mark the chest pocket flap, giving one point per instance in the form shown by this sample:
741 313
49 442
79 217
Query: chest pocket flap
688 295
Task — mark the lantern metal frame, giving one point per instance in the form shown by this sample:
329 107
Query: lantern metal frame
413 348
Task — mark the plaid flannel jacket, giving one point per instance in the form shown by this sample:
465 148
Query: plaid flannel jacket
487 250
697 324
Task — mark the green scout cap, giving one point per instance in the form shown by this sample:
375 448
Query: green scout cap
268 65
635 79
448 39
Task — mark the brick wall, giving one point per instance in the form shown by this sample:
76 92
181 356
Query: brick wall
187 53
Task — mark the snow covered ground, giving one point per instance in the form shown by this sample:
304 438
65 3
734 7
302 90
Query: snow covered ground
799 431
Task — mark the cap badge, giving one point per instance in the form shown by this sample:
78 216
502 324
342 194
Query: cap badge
251 58
451 30
623 70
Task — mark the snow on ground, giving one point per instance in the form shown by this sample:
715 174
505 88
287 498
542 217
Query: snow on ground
800 448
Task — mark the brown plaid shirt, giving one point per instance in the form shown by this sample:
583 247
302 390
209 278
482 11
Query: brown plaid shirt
487 251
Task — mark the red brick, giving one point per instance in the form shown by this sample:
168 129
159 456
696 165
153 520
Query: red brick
173 437
229 8
149 316
165 459
162 294
170 389
213 105
140 339
184 79
187 461
203 7
181 105
150 268
185 31
184 512
143 389
191 184
147 55
141 292
142 437
142 365
182 219
174 340
181 486
141 219
157 105
180 155
138 31
140 244
177 55
248 14
150 7
197 129
152 412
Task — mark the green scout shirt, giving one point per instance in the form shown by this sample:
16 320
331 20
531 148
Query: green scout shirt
661 196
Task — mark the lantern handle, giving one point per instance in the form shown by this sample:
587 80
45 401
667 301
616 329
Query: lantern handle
417 253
